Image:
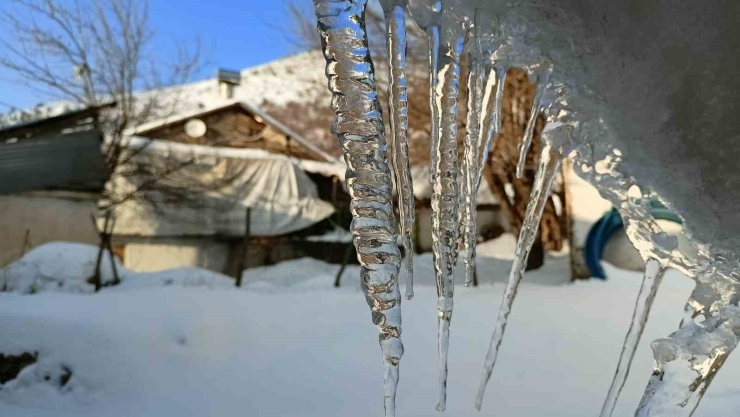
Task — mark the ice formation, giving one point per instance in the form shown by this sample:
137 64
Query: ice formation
398 109
584 58
445 191
359 126
471 154
651 281
557 139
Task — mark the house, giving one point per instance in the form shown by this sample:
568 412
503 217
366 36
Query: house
53 175
274 115
241 170
293 90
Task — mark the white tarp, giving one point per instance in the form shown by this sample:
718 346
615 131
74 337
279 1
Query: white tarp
210 197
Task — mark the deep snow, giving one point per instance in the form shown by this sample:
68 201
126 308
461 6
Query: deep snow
186 343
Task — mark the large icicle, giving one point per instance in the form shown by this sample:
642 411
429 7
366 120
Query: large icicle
359 127
654 272
433 32
491 114
556 142
687 360
471 154
445 200
543 78
398 109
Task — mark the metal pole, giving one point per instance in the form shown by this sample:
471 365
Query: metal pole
245 249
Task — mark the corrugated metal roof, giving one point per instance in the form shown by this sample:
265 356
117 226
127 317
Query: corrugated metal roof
53 124
69 161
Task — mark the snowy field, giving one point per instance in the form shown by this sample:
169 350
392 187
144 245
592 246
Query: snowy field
186 343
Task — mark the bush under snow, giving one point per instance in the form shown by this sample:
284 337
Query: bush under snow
57 266
68 267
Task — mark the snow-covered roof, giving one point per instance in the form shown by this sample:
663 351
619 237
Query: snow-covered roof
265 118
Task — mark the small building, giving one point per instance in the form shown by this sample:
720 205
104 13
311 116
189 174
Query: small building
53 175
274 114
241 170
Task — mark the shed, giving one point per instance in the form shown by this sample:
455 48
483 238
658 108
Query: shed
53 174
235 157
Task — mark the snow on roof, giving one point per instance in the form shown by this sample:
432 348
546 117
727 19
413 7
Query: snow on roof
61 115
266 118
298 78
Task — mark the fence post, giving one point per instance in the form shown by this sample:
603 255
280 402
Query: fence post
245 249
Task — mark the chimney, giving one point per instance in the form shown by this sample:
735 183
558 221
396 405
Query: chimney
227 80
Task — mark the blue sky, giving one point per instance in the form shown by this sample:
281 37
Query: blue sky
235 34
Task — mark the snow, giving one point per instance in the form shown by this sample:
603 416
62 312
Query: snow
56 266
289 344
66 267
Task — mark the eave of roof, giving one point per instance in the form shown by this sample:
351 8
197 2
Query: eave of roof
73 114
145 128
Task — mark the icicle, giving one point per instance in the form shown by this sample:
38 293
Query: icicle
688 360
433 36
359 127
491 115
542 84
399 123
445 195
471 155
556 142
654 272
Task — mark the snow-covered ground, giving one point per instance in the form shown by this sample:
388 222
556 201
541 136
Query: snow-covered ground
186 343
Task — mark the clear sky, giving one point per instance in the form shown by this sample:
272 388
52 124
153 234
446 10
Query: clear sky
235 34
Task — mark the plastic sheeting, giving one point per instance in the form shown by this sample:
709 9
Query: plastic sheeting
211 196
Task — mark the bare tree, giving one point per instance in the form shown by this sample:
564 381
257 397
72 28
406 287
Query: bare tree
85 53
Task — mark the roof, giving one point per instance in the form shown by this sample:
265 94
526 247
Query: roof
58 122
145 128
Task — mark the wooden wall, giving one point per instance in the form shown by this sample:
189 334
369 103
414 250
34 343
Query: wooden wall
234 127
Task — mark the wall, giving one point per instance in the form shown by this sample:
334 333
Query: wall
45 217
220 255
234 127
146 255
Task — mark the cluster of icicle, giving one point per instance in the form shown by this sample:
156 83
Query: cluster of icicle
686 361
